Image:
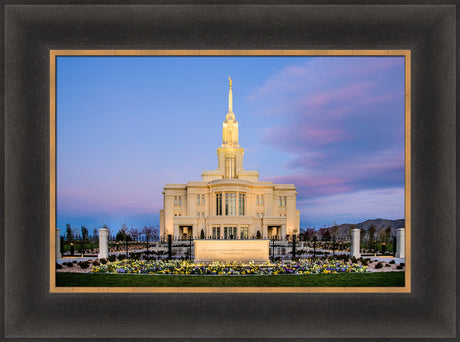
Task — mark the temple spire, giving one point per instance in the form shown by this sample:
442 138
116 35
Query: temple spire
230 125
230 96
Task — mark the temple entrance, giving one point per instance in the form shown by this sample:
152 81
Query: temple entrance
185 231
229 232
274 232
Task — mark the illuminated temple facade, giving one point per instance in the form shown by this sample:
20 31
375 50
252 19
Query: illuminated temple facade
229 202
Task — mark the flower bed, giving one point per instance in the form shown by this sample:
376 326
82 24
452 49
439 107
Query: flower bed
307 266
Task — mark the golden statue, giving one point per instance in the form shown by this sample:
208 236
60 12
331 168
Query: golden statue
230 80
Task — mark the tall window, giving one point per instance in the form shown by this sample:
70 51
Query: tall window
180 200
175 200
230 167
198 199
241 203
219 204
260 200
202 199
230 203
282 201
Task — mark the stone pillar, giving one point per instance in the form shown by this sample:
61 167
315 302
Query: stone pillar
103 243
265 232
58 244
401 243
355 243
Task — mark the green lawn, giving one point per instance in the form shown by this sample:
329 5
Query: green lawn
312 280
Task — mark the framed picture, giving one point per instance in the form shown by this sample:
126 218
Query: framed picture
34 34
332 103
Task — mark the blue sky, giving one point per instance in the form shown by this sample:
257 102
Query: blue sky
333 126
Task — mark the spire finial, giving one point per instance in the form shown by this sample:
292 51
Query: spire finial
230 96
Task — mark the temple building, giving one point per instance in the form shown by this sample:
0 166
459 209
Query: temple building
229 202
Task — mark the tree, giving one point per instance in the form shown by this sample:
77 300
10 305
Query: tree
156 231
84 232
95 234
123 234
387 233
334 230
134 233
68 233
84 236
148 231
326 235
310 233
371 233
362 235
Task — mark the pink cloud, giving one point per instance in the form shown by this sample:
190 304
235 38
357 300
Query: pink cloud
320 136
314 186
348 93
294 136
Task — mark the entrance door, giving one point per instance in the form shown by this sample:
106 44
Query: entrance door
229 232
273 232
216 232
185 232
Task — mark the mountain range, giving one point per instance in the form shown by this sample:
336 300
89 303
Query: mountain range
380 224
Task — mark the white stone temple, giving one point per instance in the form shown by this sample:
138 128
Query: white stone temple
229 202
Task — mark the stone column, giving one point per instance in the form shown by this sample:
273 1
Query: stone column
265 232
103 243
401 243
355 243
58 244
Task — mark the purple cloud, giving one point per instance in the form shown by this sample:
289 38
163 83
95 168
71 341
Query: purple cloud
341 121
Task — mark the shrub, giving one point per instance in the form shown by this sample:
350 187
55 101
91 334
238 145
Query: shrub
402 264
387 265
96 263
58 266
83 264
392 262
112 258
103 261
379 265
399 267
69 264
75 261
354 260
121 256
364 262
135 256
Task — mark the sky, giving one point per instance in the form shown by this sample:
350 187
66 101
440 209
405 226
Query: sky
126 126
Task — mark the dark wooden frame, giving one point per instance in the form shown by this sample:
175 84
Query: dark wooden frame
30 311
